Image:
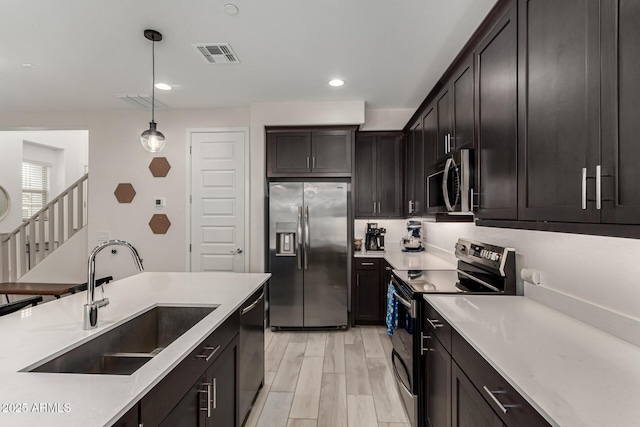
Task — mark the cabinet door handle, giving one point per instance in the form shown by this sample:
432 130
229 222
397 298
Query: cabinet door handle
598 187
313 162
210 355
584 188
208 391
492 394
378 207
357 280
215 394
366 263
388 268
445 144
435 323
307 162
422 346
374 207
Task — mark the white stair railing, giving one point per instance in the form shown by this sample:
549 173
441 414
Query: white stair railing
36 238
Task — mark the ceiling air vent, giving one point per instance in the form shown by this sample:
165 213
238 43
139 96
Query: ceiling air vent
142 102
217 53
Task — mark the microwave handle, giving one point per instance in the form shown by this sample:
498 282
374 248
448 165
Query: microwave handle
445 181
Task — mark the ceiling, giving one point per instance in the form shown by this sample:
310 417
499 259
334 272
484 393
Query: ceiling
390 53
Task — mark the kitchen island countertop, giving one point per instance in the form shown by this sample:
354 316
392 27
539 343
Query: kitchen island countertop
37 333
575 375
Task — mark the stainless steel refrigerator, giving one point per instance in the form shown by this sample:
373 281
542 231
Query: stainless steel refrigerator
308 254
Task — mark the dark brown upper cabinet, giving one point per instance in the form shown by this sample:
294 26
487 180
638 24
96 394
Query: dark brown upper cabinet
496 117
454 108
297 152
378 175
444 122
415 166
619 173
559 110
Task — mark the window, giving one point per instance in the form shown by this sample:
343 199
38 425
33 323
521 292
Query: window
35 188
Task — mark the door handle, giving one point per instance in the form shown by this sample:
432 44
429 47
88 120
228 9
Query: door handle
584 188
299 234
598 187
237 251
307 238
445 184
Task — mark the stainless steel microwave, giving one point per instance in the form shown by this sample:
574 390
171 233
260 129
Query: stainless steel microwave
449 184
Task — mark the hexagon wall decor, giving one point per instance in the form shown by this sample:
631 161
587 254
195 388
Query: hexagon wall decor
159 224
125 193
159 167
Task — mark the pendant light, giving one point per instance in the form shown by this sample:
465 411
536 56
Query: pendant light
152 140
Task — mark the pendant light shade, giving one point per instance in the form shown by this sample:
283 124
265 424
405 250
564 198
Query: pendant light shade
152 140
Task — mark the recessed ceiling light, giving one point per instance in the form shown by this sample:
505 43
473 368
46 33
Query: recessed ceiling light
27 65
231 9
163 86
336 82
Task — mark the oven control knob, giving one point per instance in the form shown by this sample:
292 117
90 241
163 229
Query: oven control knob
495 256
483 253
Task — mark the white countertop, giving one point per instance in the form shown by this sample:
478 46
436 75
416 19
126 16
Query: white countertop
51 329
399 260
572 373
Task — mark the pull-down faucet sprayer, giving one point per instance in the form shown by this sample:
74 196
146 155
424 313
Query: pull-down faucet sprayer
91 307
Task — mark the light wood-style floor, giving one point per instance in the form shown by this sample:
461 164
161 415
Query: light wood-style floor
328 379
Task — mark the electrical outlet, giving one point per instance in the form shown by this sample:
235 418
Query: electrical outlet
159 202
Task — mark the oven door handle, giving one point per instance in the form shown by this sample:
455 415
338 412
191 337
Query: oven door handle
395 371
482 282
410 305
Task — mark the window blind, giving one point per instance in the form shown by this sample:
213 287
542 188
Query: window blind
35 188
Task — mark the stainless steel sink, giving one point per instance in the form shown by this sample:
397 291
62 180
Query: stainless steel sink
123 350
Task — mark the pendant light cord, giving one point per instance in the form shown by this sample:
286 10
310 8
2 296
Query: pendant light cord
153 80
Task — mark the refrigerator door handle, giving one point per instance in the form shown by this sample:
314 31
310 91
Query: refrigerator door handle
307 238
299 233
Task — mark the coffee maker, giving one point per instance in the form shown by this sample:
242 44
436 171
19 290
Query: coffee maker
374 240
412 242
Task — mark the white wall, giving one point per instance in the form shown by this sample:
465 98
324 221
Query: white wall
66 150
386 118
11 180
116 156
597 271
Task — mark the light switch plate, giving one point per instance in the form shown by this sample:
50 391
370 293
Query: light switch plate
159 202
103 236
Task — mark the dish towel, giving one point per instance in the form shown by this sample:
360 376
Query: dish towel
392 310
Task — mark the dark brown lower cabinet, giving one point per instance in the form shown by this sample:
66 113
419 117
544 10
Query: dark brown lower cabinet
468 408
130 419
371 276
461 389
437 384
202 390
367 302
211 400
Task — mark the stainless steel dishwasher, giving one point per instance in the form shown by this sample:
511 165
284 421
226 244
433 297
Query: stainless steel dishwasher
251 352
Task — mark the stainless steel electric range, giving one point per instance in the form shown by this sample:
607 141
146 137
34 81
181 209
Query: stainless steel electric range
482 268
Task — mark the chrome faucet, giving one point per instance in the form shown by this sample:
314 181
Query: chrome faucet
92 306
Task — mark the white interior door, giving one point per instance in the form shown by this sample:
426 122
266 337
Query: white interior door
219 190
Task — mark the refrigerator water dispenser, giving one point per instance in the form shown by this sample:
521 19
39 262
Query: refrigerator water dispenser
286 244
